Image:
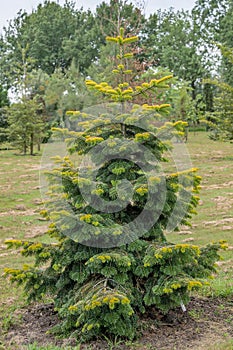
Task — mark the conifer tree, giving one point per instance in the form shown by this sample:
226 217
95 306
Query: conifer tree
25 125
109 213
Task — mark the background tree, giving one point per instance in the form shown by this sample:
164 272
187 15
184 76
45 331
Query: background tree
118 13
225 39
26 118
173 31
25 125
83 45
80 36
65 91
209 15
4 102
49 30
174 40
221 118
215 20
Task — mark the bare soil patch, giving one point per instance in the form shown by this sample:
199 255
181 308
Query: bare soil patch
19 212
206 322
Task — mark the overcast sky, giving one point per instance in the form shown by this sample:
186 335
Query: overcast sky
9 8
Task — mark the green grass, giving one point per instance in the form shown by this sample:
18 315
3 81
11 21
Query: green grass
228 345
19 185
214 219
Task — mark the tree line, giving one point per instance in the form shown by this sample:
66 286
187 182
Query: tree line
46 56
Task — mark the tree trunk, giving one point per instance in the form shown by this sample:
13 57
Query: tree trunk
31 144
193 90
25 147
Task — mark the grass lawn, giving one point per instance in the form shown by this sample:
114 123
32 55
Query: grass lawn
19 217
214 220
21 203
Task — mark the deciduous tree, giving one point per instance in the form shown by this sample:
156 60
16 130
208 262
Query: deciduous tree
222 115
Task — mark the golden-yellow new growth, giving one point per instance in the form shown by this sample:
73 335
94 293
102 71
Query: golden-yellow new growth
194 284
86 218
142 191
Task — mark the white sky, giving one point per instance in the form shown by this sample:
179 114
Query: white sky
9 8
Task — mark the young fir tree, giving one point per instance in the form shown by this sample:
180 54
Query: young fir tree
107 268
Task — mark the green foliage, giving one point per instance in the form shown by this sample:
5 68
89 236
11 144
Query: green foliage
25 117
221 119
110 17
175 42
55 35
63 91
219 30
25 125
104 271
187 109
225 39
3 125
4 101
